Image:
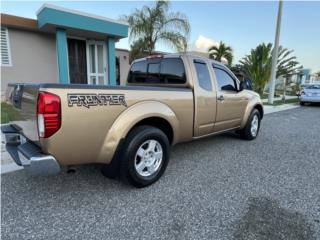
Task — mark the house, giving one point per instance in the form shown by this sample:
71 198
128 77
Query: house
62 46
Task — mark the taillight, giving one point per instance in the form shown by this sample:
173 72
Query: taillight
49 114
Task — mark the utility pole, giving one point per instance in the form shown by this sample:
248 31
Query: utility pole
275 56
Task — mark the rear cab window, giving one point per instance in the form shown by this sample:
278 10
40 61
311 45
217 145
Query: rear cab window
158 71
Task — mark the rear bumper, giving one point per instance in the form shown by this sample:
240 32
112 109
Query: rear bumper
27 154
310 99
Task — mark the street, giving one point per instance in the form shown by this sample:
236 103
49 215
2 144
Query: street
221 187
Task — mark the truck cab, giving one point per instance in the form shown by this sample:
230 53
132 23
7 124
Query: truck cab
220 102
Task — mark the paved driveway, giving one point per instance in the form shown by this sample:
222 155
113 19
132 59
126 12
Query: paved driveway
217 188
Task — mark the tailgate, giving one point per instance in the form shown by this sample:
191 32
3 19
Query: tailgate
24 97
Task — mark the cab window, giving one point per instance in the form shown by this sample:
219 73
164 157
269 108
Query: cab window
225 81
158 71
203 75
138 72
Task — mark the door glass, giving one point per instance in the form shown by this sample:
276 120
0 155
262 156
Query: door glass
100 58
96 62
101 81
93 79
225 82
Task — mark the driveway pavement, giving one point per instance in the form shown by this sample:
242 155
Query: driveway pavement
217 188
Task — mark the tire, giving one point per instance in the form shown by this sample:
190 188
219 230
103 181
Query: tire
302 103
247 132
141 162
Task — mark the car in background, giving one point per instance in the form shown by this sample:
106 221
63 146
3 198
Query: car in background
310 94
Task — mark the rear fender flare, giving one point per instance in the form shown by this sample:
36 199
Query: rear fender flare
129 118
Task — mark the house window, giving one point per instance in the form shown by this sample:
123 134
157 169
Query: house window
5 48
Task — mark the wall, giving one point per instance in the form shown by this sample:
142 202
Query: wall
123 56
33 56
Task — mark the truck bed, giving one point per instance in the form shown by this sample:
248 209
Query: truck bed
88 112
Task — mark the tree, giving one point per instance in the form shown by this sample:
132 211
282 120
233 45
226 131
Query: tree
220 52
151 25
287 65
137 50
257 65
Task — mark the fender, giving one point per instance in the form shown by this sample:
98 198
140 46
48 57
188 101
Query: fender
251 105
129 118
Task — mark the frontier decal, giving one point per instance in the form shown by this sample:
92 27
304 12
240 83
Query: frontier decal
89 100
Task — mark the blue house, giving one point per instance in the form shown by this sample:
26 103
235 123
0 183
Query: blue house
63 46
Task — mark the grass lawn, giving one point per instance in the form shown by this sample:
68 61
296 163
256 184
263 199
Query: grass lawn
279 102
8 113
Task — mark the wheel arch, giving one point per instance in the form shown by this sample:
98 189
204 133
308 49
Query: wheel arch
151 113
249 109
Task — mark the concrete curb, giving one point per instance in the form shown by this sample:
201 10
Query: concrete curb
284 107
10 167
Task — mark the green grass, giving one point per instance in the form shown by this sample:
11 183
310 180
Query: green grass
8 113
280 102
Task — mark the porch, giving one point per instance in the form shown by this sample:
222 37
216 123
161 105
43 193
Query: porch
85 44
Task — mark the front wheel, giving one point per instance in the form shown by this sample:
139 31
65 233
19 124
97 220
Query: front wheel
251 130
145 156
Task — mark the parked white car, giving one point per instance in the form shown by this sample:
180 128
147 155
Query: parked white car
310 94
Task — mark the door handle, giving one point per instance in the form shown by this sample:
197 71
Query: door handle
220 98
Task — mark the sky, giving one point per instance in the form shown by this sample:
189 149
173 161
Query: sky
242 25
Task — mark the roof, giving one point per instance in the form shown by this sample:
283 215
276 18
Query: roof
18 22
122 49
51 17
177 55
68 10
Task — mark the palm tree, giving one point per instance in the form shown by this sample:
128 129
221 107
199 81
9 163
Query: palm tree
287 65
257 65
151 25
221 52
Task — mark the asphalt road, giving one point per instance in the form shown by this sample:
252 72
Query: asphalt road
217 188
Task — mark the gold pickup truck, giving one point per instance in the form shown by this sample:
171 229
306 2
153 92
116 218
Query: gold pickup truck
129 129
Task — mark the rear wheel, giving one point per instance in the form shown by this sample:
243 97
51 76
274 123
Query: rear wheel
145 156
302 103
251 130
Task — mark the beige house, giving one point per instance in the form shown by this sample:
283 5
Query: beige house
62 46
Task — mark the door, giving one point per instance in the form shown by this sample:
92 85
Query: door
77 61
205 99
231 103
96 61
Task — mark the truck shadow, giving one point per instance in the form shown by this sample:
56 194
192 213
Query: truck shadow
265 219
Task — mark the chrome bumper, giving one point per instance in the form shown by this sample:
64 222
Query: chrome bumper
27 154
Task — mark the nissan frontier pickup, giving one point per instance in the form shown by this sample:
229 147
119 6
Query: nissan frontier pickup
129 129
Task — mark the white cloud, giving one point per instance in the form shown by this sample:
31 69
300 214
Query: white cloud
202 44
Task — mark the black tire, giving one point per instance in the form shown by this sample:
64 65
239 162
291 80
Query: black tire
302 103
135 139
246 133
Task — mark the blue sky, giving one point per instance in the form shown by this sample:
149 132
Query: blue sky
243 25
